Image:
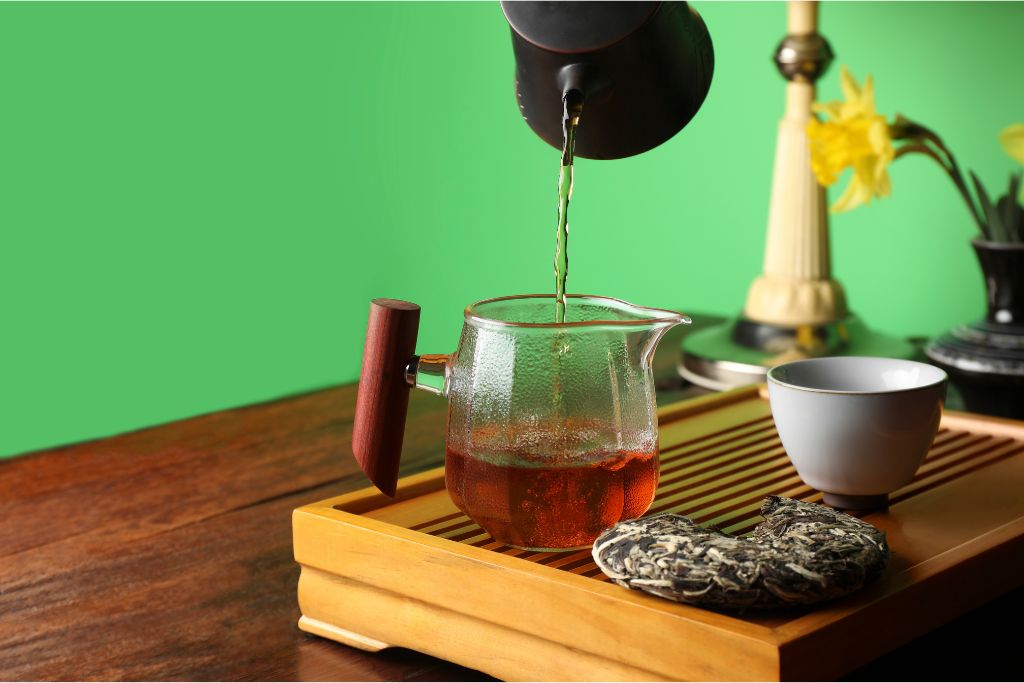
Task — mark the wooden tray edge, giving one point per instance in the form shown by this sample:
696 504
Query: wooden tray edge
453 549
336 549
388 619
803 640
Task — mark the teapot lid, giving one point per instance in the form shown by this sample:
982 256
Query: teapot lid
570 27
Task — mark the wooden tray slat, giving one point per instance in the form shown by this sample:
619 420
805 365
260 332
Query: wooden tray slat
962 516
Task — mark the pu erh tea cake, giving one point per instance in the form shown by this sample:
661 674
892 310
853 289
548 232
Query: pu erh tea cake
801 554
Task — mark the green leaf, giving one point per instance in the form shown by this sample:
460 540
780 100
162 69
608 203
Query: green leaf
996 230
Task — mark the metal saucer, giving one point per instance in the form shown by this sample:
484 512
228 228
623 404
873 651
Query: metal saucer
741 351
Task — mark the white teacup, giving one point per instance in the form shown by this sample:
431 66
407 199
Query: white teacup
856 428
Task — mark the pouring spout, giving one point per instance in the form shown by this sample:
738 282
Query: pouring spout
656 332
616 311
651 324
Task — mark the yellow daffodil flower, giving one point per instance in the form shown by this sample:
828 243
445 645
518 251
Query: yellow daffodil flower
854 136
1013 141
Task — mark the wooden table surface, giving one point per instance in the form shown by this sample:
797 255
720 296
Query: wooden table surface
166 554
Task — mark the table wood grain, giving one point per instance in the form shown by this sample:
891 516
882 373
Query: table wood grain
165 553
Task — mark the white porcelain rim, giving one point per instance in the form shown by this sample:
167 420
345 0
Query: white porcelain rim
846 392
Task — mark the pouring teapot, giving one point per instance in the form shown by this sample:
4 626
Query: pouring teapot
641 70
552 427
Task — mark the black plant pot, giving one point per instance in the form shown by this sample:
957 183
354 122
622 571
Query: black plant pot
985 360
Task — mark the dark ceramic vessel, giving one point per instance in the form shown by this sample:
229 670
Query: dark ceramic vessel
642 69
985 359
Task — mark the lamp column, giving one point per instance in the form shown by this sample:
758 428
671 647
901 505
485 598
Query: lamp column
794 309
797 287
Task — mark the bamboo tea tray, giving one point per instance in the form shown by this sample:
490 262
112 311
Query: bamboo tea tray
414 572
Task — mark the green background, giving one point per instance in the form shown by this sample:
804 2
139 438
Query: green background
198 200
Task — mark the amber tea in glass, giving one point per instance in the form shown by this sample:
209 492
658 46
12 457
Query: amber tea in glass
545 493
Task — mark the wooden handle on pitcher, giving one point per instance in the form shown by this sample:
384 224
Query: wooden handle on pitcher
383 397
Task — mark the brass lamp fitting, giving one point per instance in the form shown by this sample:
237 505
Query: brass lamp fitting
805 57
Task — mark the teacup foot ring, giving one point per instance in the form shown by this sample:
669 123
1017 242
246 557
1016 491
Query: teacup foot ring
844 502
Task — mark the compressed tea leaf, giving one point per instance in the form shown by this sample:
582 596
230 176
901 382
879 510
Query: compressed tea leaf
800 554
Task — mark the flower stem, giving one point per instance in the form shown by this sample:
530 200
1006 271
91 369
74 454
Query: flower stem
921 148
942 155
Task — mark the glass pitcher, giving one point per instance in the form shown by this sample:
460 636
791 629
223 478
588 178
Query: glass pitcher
552 428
